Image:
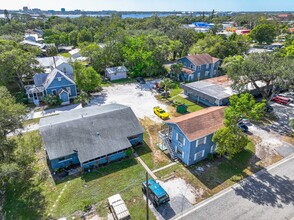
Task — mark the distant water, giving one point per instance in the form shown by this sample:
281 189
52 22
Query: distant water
132 15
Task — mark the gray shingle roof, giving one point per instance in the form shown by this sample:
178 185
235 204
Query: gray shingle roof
93 131
117 69
40 78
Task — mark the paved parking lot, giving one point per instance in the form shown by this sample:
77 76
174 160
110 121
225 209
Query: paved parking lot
140 97
283 114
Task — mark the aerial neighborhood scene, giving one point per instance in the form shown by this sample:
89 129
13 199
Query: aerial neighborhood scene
118 110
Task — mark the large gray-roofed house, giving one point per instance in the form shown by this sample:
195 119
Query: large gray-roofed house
90 136
215 91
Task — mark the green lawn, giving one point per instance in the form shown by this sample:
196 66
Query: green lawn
34 197
192 107
175 92
67 55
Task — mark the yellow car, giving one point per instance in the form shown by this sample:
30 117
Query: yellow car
160 112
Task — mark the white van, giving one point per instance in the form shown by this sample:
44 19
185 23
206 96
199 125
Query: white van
118 208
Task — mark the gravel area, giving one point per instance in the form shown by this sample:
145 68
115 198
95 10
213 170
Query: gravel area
140 97
182 197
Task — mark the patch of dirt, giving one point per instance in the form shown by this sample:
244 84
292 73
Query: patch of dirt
178 186
266 142
152 128
289 140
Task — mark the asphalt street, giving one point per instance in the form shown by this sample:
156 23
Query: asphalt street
268 195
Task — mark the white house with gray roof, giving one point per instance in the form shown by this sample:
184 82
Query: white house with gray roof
91 136
115 73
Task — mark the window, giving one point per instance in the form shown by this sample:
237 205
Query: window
180 153
198 155
69 90
191 66
54 92
214 72
201 141
199 67
59 79
181 139
212 149
207 66
206 73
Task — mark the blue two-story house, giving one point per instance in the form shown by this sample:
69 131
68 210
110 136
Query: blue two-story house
189 137
54 83
197 67
91 136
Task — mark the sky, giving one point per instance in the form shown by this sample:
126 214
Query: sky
152 5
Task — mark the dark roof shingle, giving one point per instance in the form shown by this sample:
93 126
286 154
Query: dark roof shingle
91 132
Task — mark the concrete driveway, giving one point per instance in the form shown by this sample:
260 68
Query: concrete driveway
182 197
140 97
265 196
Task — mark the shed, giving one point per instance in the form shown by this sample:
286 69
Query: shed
115 73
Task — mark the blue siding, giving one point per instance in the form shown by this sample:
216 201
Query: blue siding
103 160
137 140
188 64
63 83
70 159
204 147
188 148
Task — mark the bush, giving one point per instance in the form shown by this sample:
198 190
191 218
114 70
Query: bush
210 157
86 204
129 152
52 100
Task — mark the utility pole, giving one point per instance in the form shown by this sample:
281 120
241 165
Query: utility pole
147 195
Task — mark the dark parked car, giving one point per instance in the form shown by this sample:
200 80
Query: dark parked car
243 127
268 108
140 80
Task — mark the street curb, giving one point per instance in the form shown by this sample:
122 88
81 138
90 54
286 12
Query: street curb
218 195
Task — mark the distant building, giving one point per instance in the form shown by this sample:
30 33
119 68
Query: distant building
198 67
25 8
284 17
62 10
90 137
215 91
36 10
242 31
115 73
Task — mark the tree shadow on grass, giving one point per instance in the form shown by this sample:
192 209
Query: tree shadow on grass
217 172
142 149
267 189
24 200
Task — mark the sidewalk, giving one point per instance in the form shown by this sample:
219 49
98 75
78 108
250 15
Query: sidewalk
145 167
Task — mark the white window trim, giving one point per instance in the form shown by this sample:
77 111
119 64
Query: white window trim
69 90
177 136
184 140
183 154
197 143
59 79
202 153
212 149
207 66
54 90
205 138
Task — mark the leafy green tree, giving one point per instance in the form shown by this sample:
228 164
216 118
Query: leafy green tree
292 123
176 69
84 98
230 139
221 47
88 79
264 33
73 38
167 84
16 65
52 51
266 72
84 36
11 118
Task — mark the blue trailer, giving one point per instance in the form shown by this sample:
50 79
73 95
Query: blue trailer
156 193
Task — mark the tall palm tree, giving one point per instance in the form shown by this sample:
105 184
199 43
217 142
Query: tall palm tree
51 50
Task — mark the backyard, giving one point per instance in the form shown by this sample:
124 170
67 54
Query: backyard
37 196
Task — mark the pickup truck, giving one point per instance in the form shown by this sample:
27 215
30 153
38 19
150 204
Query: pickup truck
118 208
156 193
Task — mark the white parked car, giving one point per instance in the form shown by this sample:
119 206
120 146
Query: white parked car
118 208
